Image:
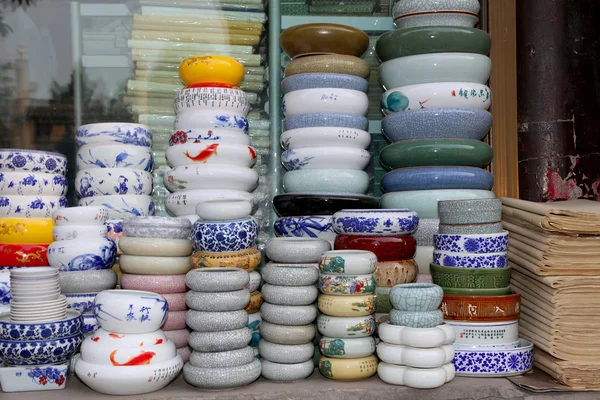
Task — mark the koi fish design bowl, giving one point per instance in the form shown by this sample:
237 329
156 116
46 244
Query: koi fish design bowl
130 311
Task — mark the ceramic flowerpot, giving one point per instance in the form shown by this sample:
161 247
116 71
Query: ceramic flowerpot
82 254
32 161
416 297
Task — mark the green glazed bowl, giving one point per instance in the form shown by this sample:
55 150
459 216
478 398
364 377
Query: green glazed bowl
477 292
470 278
432 152
432 39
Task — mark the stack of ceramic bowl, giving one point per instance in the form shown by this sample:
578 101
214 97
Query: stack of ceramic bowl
36 295
388 234
84 256
222 358
347 302
159 246
288 313
416 346
129 354
210 150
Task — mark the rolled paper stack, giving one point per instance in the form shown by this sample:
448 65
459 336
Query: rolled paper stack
416 347
288 330
388 234
124 356
222 357
84 256
347 304
158 249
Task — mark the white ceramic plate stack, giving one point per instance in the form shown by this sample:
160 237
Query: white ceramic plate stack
36 295
222 358
159 246
347 324
288 329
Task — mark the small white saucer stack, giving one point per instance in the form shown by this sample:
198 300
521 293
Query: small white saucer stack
36 295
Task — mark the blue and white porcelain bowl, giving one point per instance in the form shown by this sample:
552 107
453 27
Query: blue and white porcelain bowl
130 311
70 232
493 362
324 80
13 160
120 207
434 177
308 101
221 236
211 119
21 331
375 222
16 206
114 156
211 153
326 181
81 302
39 352
325 158
224 135
309 226
80 216
111 181
321 119
490 243
82 254
90 324
32 183
114 132
432 123
470 260
5 293
324 136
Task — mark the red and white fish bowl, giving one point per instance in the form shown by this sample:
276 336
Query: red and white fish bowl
215 152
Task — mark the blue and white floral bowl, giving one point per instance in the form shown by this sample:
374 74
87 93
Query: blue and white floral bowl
114 156
470 260
375 222
112 181
323 80
82 254
122 206
32 183
222 236
81 302
321 119
130 311
32 161
22 331
39 352
490 243
476 362
309 226
17 206
114 132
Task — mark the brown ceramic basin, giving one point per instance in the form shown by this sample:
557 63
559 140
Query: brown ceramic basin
321 38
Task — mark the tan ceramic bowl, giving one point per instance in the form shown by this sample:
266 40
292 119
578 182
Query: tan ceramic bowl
321 38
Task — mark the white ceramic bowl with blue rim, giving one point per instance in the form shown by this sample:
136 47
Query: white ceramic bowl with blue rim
326 181
211 176
82 254
470 260
221 236
211 153
416 6
324 119
211 98
493 362
209 135
323 80
13 160
484 243
375 222
309 226
114 132
436 95
21 331
434 18
81 302
114 156
17 206
90 215
111 181
348 262
435 67
327 136
325 158
211 119
183 203
39 352
307 101
130 311
120 207
32 183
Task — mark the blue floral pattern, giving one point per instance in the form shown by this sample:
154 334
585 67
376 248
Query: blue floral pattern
40 352
491 243
33 161
83 303
32 184
231 121
30 206
376 222
503 362
311 226
90 324
292 163
474 260
18 331
119 133
48 375
220 236
5 296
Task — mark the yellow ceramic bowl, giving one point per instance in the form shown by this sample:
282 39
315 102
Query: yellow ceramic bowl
347 306
256 301
211 69
247 259
26 230
348 369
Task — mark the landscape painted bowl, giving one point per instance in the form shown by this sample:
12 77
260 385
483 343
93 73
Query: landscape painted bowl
317 81
114 132
313 226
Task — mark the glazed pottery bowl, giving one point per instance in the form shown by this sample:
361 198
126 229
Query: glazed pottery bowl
346 327
471 229
285 354
5 292
153 264
23 230
114 132
23 160
311 226
110 181
490 243
211 69
347 348
71 232
308 101
17 206
470 211
335 284
90 215
290 274
325 119
329 63
415 357
427 228
436 67
305 203
81 302
112 352
211 176
39 352
488 309
82 254
222 135
217 279
32 183
157 227
385 248
416 319
295 250
432 39
28 331
437 177
475 278
485 333
219 236
506 362
418 378
211 119
470 260
326 181
122 206
417 6
348 262
130 311
430 123
324 137
438 95
392 273
323 38
278 372
129 341
215 153
114 156
436 19
23 255
325 158
183 203
348 369
208 98
416 297
375 222
222 378
223 210
318 81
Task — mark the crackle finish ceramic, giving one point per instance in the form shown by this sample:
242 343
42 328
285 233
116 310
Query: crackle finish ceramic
470 278
222 378
329 63
416 297
470 229
39 352
416 6
113 132
320 80
296 250
206 321
314 120
375 222
284 353
470 260
288 315
220 236
280 372
427 228
436 19
289 295
220 301
346 284
32 183
221 359
470 211
416 319
157 227
288 335
220 341
217 279
437 177
492 243
114 156
109 181
493 362
27 331
33 161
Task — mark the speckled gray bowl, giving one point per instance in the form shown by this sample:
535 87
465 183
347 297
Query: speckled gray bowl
427 228
204 321
477 211
289 295
296 249
217 279
290 274
219 301
417 319
220 341
287 372
287 334
288 315
91 281
313 80
286 353
157 227
472 229
222 378
222 359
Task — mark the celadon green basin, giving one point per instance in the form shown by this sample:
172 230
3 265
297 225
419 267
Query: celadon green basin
470 278
432 39
477 292
432 152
